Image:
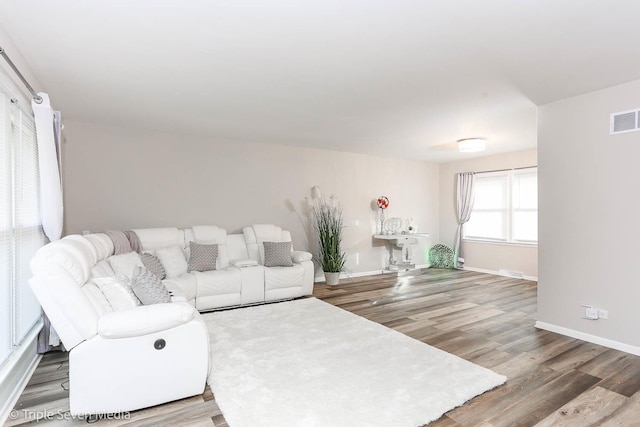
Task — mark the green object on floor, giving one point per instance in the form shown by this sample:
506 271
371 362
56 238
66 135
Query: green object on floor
441 256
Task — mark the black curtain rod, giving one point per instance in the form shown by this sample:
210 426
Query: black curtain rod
37 98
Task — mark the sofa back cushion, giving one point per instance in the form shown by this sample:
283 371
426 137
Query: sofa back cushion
162 237
237 247
60 269
102 243
98 298
257 234
102 269
68 256
88 247
209 235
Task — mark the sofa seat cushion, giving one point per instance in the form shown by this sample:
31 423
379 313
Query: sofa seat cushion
219 282
185 286
283 277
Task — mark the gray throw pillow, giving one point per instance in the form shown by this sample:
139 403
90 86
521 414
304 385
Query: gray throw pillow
277 254
202 257
152 263
148 288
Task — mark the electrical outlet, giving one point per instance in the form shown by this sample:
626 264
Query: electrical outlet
603 314
591 313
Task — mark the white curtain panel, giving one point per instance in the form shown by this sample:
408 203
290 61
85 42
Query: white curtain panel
464 206
50 182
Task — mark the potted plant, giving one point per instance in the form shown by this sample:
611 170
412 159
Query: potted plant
328 226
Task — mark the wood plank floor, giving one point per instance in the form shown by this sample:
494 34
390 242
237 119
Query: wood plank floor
552 379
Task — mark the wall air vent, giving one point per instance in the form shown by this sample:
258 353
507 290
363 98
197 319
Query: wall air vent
625 121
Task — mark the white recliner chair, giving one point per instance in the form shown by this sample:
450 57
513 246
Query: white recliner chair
280 282
118 360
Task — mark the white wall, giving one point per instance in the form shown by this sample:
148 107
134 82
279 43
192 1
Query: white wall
119 179
589 205
485 256
16 57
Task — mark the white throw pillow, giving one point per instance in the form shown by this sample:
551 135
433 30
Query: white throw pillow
173 260
124 264
118 292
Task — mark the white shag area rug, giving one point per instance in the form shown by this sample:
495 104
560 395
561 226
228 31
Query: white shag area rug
308 363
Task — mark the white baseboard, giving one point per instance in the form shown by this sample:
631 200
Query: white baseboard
497 273
616 345
17 370
320 279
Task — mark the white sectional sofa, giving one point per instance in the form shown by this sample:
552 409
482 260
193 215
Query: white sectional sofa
144 355
240 277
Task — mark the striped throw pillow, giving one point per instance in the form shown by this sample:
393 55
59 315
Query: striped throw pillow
152 263
148 288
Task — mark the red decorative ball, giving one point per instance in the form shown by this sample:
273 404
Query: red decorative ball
383 202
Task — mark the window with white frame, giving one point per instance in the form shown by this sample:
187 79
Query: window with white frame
20 225
505 207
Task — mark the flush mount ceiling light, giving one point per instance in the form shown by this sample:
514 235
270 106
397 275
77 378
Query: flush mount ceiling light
471 145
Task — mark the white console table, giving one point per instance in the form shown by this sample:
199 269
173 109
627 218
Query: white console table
403 242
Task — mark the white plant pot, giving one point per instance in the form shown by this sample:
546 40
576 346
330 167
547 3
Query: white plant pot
331 279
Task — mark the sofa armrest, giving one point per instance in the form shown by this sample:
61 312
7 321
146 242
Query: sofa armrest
300 256
144 320
176 292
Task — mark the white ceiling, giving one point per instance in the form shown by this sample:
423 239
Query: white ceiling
383 77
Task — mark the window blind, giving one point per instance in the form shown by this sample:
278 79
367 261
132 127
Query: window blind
6 251
28 234
20 230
